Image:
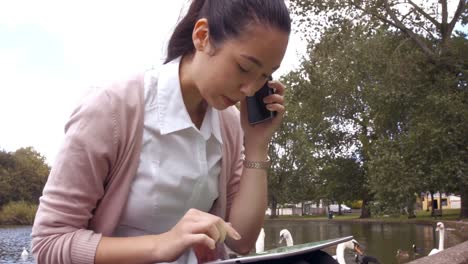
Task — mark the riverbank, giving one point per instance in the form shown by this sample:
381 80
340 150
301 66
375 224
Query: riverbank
447 215
18 213
450 217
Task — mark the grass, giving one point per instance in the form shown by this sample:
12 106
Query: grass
421 215
18 213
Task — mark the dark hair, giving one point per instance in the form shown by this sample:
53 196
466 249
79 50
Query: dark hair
226 19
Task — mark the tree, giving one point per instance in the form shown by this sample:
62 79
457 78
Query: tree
418 21
7 164
342 180
23 174
291 178
432 123
331 102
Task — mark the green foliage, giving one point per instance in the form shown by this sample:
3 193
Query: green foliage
23 174
386 88
356 204
18 213
426 24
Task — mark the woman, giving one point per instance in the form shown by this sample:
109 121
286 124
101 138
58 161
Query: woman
152 168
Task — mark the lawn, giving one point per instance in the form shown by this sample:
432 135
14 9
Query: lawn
447 215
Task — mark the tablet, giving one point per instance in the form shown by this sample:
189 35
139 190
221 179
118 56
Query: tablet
283 252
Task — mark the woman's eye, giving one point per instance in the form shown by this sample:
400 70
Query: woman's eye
242 69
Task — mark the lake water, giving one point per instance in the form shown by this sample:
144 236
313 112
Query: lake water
12 241
379 240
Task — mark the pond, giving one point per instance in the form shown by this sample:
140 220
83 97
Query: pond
12 241
378 240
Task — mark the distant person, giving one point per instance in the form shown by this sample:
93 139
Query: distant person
151 169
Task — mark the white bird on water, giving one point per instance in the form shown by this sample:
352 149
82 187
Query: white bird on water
260 243
340 250
286 235
440 227
24 254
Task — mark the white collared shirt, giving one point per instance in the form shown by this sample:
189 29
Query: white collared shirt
179 164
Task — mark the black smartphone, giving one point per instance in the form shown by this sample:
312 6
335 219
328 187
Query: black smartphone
256 108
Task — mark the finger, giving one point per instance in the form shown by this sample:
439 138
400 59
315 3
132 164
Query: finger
215 233
222 231
276 107
205 226
274 98
231 232
278 86
202 239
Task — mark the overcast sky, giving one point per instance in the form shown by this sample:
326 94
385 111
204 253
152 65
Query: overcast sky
51 52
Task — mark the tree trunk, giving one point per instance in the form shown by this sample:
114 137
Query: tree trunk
464 201
432 203
427 202
273 208
365 211
410 208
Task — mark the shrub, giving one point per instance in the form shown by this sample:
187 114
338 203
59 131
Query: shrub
356 204
18 213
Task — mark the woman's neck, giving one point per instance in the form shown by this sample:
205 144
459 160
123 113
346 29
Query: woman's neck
194 103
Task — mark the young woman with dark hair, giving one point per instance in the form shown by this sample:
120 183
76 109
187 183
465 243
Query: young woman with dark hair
163 167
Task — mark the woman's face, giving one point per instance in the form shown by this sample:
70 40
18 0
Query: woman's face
240 66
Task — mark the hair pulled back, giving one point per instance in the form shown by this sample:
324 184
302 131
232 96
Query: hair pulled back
226 19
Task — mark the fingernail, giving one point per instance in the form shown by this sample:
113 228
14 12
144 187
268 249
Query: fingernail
237 236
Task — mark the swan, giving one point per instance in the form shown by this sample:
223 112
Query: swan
24 254
340 250
260 243
286 235
440 227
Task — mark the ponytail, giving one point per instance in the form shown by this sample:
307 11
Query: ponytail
226 19
181 42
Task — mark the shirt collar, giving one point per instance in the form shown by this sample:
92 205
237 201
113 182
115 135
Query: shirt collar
211 125
173 115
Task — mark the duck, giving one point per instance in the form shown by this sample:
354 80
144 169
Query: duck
401 254
417 251
286 235
260 243
441 229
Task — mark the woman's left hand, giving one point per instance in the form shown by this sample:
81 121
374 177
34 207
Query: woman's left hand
258 136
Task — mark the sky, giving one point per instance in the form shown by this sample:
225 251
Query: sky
52 52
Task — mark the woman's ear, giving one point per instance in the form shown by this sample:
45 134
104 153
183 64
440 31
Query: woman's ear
201 36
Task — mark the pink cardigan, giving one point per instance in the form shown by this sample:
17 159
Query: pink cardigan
89 182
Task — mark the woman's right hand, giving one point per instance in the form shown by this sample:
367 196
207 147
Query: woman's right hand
196 228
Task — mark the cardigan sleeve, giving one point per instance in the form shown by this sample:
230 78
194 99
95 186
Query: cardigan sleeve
75 185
